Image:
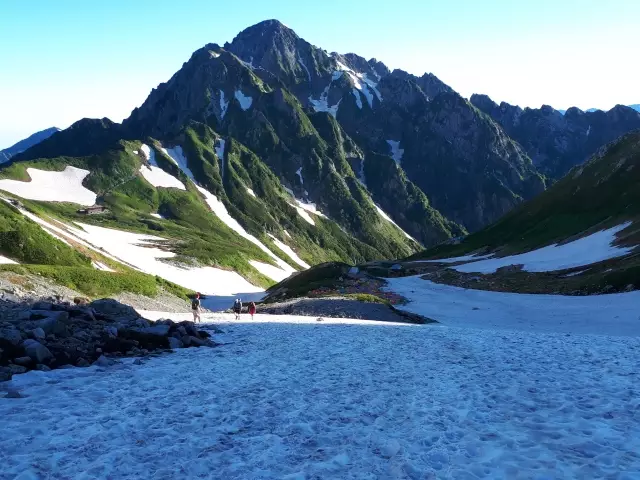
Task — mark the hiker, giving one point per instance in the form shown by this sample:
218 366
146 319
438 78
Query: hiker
252 309
237 308
195 308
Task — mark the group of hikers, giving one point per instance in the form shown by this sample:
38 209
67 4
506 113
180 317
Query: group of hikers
196 308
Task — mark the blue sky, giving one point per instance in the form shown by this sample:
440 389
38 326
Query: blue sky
67 59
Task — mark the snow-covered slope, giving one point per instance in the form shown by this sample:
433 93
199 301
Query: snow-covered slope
615 314
293 398
583 251
49 186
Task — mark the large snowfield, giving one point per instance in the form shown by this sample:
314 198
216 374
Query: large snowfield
593 248
294 398
50 186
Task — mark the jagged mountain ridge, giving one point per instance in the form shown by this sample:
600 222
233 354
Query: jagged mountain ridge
270 113
24 144
375 108
555 141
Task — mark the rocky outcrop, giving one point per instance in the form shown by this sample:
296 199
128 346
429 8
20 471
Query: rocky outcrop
46 335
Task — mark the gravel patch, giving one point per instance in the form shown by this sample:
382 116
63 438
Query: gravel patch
339 307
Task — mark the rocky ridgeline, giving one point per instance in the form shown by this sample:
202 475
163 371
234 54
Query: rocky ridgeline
48 334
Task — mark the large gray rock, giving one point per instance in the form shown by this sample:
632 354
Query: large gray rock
197 342
10 335
55 323
103 361
36 351
42 306
111 331
17 369
159 330
107 307
175 343
24 361
38 334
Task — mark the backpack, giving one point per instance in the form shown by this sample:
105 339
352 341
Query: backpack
195 303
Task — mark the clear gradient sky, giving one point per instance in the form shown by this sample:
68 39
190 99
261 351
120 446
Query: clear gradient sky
67 59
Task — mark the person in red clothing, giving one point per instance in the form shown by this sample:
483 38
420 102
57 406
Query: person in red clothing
252 309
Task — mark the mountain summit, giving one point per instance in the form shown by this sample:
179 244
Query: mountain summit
269 152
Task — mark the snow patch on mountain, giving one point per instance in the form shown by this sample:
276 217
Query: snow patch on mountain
50 186
299 173
271 271
144 253
224 105
583 251
218 208
101 266
304 67
388 218
322 105
7 261
244 100
251 192
154 174
613 314
361 82
356 94
289 251
157 215
396 151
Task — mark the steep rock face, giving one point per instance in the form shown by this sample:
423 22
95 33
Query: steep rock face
428 83
211 84
557 142
472 171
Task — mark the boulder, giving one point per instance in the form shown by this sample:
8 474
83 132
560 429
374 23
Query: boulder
12 393
197 342
43 368
85 312
24 361
55 323
10 336
42 306
36 351
160 330
174 343
17 369
142 323
103 361
82 362
111 331
112 309
38 334
182 331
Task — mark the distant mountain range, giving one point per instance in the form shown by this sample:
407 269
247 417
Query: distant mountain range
24 144
636 107
331 155
557 142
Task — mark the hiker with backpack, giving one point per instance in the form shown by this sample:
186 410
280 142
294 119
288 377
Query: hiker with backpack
237 308
195 308
252 309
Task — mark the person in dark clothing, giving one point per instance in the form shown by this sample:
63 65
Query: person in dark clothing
195 308
237 308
